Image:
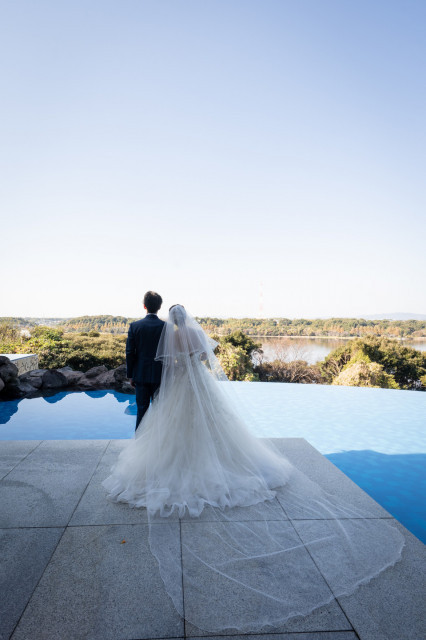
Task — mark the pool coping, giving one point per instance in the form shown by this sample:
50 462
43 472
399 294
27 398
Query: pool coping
55 521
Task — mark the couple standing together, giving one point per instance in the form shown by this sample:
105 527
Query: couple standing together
229 519
191 447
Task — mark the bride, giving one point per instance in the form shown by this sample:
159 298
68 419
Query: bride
191 448
230 519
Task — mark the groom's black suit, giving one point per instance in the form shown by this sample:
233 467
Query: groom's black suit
141 347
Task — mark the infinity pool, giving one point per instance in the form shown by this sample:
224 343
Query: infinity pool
375 436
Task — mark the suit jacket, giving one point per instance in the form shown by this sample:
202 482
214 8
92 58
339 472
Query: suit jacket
141 346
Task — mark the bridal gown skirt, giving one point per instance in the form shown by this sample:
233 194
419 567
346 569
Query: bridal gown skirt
290 548
192 449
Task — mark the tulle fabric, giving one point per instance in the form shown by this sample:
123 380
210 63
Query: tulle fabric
249 538
192 450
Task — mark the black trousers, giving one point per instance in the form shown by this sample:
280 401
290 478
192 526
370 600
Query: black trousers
144 394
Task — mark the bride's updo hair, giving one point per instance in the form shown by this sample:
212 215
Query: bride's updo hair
177 314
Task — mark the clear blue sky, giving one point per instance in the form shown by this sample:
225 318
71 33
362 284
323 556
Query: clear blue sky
221 152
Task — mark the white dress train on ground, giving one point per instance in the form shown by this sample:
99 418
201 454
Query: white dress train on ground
250 539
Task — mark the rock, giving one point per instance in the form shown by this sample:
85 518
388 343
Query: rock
73 377
126 387
8 371
27 388
120 373
53 379
33 382
96 371
12 390
34 378
85 384
106 379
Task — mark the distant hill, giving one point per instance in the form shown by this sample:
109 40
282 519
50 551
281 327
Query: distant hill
328 327
395 316
32 322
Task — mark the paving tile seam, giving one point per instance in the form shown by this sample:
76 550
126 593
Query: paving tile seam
283 509
265 634
39 580
166 522
204 521
334 519
89 481
64 527
50 526
22 459
324 578
182 581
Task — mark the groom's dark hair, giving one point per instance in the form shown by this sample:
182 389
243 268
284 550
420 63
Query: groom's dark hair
152 301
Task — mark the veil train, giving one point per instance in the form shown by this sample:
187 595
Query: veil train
244 540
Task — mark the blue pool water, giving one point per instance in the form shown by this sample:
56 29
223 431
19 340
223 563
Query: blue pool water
375 436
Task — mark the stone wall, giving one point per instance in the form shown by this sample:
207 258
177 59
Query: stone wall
23 362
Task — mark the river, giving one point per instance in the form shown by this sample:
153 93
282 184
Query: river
311 349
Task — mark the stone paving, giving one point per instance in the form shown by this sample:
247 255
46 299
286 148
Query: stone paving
66 575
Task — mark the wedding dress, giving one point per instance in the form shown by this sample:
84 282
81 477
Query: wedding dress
248 537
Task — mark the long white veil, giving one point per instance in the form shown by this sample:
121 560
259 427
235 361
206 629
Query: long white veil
183 343
244 540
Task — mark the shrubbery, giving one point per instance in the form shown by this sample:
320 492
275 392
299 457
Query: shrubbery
57 349
400 367
370 361
235 354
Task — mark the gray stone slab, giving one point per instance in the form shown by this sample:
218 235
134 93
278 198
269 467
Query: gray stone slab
211 539
95 587
393 605
328 477
44 489
348 551
13 451
100 588
325 619
94 507
24 554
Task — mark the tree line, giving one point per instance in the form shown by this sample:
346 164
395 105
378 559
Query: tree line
267 327
372 361
330 327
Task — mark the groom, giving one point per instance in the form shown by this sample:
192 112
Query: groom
141 346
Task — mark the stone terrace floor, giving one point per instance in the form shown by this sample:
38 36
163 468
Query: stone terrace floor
64 575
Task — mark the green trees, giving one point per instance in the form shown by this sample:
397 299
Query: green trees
372 361
104 324
338 327
329 327
89 351
396 366
365 374
235 353
9 336
57 349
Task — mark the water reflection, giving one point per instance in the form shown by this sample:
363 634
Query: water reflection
97 393
55 397
32 409
8 409
132 409
311 350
